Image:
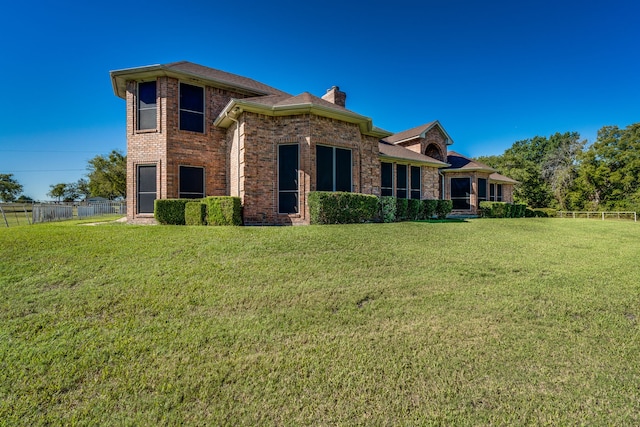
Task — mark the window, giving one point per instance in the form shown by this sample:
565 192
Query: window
495 192
191 108
401 181
147 106
460 193
146 188
386 175
482 190
191 182
333 169
288 164
415 182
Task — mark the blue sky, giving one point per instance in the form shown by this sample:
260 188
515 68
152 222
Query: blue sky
492 72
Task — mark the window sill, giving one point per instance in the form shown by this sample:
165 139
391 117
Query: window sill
147 131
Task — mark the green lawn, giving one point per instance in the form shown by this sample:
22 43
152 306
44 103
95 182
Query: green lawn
485 322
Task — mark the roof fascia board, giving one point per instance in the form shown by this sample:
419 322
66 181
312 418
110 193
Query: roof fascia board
470 170
120 77
236 106
404 160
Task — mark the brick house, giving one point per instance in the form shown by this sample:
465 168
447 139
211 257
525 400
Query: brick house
193 131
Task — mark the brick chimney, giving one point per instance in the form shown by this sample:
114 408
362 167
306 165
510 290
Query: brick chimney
335 96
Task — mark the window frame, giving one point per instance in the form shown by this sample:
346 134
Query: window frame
415 192
191 112
144 193
140 109
466 198
480 197
402 192
334 172
383 188
191 194
297 180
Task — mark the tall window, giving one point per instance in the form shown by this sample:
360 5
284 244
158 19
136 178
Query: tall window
415 182
386 179
191 108
146 188
482 190
191 182
495 192
401 181
461 193
333 168
147 105
288 164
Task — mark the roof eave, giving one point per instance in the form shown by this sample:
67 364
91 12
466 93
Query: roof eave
237 106
119 79
435 164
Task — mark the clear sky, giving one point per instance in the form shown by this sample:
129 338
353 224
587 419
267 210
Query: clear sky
492 72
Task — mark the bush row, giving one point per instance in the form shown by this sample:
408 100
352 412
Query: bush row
221 210
502 210
345 208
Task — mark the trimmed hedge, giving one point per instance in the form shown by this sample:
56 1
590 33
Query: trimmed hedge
503 210
224 210
327 207
402 207
387 208
429 207
195 213
414 209
444 208
170 211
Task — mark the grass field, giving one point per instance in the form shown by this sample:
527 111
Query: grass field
485 322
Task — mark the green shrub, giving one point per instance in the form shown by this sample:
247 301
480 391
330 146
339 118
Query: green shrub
429 207
444 208
224 210
546 212
414 209
195 213
521 210
495 209
529 213
402 207
170 211
388 208
341 208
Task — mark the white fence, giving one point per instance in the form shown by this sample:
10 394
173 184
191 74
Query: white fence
12 214
599 215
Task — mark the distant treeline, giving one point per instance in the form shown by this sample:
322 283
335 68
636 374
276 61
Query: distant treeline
564 172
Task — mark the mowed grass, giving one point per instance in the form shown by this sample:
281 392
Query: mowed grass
485 322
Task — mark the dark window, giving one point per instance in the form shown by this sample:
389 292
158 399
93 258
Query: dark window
147 106
401 181
191 108
482 190
288 161
492 192
146 188
333 169
191 182
386 174
499 192
460 193
415 182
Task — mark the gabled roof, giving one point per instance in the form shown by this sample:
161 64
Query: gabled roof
185 69
459 162
396 152
496 177
417 132
304 103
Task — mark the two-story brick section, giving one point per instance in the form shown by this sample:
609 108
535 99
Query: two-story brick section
194 131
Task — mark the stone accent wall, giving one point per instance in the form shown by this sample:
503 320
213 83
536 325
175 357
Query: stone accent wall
473 175
434 137
430 183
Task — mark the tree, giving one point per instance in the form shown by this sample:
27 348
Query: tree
57 191
9 188
83 188
108 175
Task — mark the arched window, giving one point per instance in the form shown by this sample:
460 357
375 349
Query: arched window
433 151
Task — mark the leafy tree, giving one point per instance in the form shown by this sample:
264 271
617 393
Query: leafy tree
82 187
9 188
108 175
57 191
24 199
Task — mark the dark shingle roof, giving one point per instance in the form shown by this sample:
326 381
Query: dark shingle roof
458 161
501 178
417 132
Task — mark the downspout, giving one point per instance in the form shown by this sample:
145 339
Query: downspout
236 138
